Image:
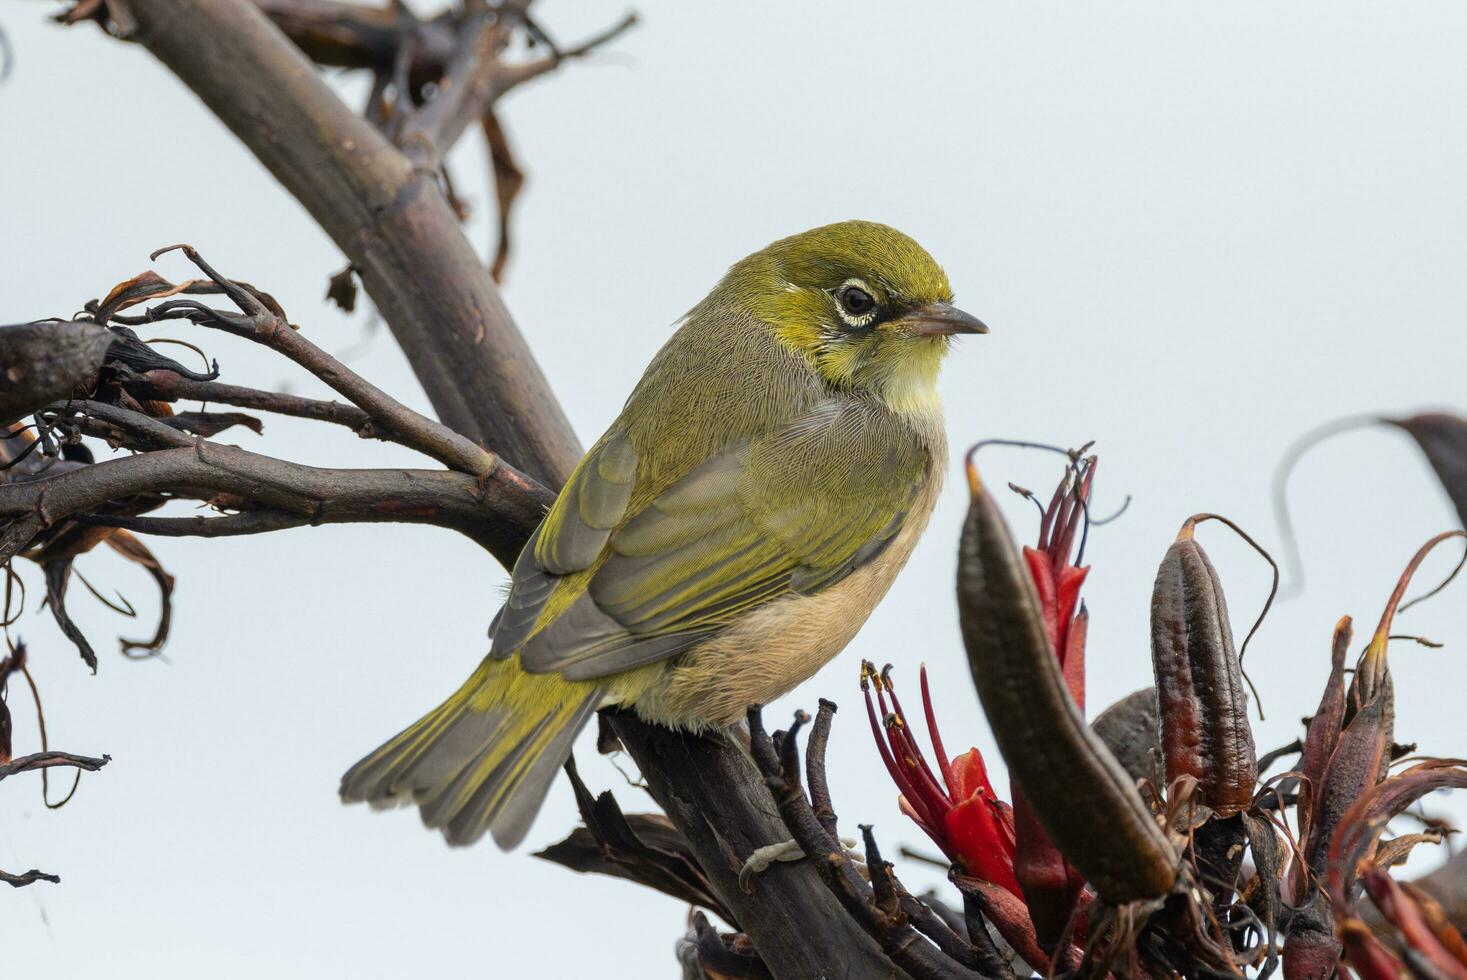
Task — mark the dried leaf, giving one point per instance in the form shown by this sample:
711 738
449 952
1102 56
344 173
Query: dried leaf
1265 897
641 847
509 179
1396 850
209 424
13 663
130 547
341 289
58 576
129 350
1443 438
139 289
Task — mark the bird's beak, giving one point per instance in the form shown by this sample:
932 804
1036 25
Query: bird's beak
941 320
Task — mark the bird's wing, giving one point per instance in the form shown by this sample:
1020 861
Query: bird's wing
791 512
571 539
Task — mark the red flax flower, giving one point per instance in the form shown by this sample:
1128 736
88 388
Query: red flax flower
961 812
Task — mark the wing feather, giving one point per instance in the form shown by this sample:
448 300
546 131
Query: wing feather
795 511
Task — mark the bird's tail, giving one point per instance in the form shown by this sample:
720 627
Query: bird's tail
483 759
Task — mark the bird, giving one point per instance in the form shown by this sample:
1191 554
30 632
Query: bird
728 535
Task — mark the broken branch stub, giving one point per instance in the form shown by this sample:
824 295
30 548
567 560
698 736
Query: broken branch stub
45 361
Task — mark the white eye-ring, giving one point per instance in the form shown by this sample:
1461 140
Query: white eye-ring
855 304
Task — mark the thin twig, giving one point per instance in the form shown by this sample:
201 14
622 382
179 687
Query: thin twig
262 326
168 386
27 878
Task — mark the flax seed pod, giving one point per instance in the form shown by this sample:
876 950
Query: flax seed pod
1203 705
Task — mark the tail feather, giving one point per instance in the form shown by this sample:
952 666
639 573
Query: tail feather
482 760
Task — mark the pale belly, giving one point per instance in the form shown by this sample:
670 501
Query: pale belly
775 648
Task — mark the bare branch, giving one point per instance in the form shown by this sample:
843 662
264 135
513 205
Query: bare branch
28 878
517 74
493 509
464 93
354 35
266 326
49 760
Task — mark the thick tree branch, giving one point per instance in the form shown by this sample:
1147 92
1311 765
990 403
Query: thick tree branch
710 790
390 219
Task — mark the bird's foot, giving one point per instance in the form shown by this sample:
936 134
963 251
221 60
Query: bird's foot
786 850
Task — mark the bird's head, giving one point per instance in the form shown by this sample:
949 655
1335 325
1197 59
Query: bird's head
862 302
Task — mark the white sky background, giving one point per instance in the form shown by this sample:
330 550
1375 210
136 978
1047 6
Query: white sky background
1194 232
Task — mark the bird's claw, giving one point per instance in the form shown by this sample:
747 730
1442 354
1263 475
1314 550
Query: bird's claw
786 850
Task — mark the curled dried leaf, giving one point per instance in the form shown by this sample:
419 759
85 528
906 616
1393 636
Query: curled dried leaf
1443 440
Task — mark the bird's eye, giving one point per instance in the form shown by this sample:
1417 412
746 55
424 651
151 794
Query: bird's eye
856 301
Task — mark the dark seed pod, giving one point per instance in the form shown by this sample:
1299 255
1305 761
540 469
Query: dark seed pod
1204 708
1129 729
1361 756
1056 760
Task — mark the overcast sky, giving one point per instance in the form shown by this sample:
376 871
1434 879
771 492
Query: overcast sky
1196 232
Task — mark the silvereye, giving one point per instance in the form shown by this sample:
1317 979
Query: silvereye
728 535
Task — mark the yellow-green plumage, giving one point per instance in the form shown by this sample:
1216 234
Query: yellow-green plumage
726 536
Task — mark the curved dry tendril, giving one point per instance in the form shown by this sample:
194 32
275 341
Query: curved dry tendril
1442 585
1281 475
45 746
1273 591
1192 522
1080 470
1375 653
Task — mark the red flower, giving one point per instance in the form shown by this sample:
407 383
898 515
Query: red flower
1057 581
960 812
